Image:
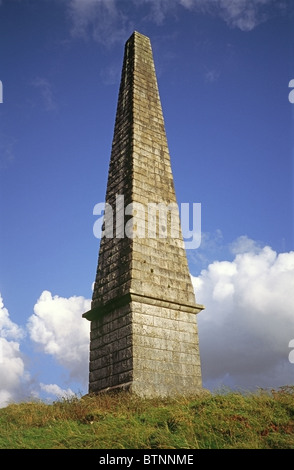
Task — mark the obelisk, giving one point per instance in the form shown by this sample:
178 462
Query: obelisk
144 335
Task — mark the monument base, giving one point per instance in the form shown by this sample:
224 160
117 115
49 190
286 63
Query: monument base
146 346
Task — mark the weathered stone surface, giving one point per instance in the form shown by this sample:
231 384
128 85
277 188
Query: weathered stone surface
143 324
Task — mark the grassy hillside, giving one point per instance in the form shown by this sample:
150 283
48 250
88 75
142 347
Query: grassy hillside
264 420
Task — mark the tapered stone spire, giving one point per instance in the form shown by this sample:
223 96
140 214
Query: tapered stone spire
143 324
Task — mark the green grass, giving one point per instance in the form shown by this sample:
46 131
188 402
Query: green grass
263 420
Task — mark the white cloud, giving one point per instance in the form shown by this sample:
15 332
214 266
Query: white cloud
14 379
58 328
53 389
111 21
102 20
12 371
249 319
187 3
244 244
45 88
242 14
211 247
211 76
6 151
158 9
8 329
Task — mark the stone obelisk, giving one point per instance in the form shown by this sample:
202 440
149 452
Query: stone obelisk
144 334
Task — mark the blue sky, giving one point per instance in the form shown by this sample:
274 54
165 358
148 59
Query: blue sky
223 69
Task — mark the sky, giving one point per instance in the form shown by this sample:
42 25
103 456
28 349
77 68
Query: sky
223 69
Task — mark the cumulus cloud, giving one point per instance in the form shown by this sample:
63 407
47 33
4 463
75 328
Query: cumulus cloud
8 329
14 378
12 372
56 391
58 329
244 244
248 322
